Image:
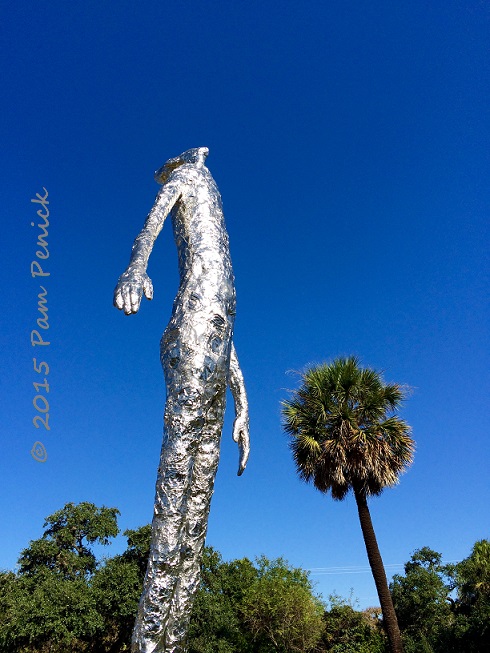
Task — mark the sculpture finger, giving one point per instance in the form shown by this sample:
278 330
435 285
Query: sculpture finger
126 298
135 299
148 288
244 447
118 300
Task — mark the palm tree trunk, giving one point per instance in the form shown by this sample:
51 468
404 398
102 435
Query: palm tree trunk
389 616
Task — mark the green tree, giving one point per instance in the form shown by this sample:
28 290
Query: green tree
138 548
350 631
472 606
473 575
117 586
243 607
50 605
281 610
116 589
64 546
47 612
216 622
345 436
422 604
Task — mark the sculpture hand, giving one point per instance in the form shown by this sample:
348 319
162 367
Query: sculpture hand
130 288
241 436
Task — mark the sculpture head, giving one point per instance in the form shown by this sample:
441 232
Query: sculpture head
196 155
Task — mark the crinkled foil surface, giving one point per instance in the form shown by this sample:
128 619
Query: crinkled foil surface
199 362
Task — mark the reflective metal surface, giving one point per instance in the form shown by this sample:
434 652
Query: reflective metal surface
199 362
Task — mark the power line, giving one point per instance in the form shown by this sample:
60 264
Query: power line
360 569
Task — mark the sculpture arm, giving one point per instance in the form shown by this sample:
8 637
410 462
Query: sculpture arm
134 281
241 431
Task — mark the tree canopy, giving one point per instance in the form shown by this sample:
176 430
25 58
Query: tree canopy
445 608
64 546
421 600
242 606
344 434
280 609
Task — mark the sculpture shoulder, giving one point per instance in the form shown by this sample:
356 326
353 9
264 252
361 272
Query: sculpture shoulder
192 182
191 175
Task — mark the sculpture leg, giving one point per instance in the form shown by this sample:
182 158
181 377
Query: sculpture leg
192 542
190 453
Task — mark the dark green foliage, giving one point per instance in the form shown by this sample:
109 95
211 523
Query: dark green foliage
116 588
63 547
473 576
138 547
431 619
472 606
50 604
49 613
348 631
280 610
247 608
216 623
421 601
62 599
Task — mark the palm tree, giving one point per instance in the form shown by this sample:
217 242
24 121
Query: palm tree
345 436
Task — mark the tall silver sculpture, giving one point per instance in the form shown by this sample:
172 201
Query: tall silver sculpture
199 362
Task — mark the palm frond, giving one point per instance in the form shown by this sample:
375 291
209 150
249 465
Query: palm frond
343 431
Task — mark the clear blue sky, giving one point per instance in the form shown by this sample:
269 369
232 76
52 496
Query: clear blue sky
350 142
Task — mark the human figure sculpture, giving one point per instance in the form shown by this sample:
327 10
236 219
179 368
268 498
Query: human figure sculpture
199 362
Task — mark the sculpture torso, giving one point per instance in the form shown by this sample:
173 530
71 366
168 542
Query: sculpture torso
201 238
196 345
